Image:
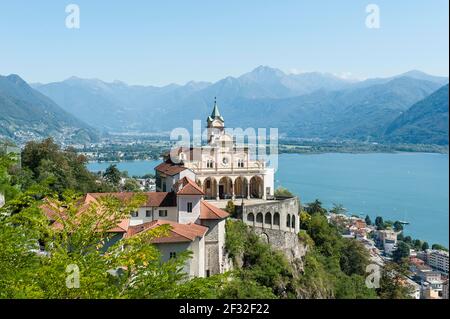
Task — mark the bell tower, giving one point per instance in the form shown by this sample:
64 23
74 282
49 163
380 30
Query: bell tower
215 124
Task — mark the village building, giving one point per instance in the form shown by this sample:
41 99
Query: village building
387 239
437 259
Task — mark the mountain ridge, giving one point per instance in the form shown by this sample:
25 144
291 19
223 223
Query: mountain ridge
308 105
28 114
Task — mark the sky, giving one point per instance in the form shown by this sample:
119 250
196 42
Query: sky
161 42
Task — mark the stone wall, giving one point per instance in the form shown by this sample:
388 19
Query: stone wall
282 236
287 242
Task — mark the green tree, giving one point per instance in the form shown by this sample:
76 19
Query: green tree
401 252
368 220
338 209
398 226
304 219
112 174
417 244
425 246
325 236
283 192
131 185
388 224
231 208
354 258
315 207
7 189
439 247
392 282
58 169
379 222
408 240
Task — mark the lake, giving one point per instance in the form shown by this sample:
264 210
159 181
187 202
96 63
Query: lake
402 186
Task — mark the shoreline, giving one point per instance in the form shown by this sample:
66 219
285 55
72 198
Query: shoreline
289 153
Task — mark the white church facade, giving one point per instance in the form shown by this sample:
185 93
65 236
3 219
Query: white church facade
223 169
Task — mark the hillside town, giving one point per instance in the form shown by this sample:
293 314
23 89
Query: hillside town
428 269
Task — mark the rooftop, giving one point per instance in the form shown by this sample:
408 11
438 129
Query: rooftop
154 199
169 168
209 211
177 233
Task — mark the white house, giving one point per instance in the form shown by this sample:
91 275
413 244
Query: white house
195 225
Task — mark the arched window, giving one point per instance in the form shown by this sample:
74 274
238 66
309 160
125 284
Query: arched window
276 219
250 217
293 221
288 220
259 218
268 219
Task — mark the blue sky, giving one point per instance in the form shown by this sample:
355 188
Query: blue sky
159 42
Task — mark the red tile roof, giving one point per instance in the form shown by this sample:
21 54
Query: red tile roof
360 224
209 211
187 186
154 199
169 168
54 216
177 233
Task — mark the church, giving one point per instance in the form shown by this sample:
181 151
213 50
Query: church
223 171
222 168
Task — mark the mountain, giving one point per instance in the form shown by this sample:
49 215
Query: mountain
27 114
310 105
413 74
426 122
115 106
119 107
361 113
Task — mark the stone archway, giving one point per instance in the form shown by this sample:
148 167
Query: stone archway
276 220
268 219
265 238
256 187
210 188
251 219
241 187
225 188
259 219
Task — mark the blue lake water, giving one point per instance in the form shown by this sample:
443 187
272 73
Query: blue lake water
403 186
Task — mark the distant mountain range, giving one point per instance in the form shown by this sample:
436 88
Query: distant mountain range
307 105
424 122
26 114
